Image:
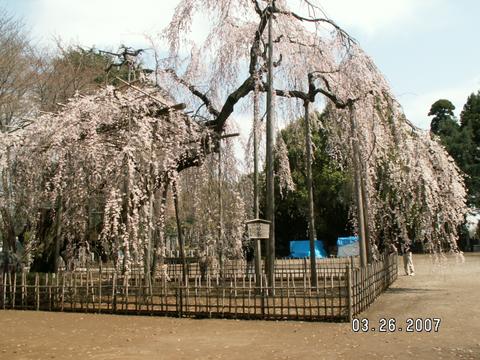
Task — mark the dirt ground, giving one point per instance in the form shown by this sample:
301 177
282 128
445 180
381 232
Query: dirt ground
450 292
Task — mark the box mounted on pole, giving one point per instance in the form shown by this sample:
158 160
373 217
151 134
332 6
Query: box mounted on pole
258 229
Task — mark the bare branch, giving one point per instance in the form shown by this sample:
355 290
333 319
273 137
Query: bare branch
161 101
258 10
325 20
206 100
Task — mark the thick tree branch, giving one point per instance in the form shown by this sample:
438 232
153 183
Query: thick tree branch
242 91
255 49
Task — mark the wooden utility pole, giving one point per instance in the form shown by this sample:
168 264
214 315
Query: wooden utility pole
256 206
220 207
270 213
311 210
358 186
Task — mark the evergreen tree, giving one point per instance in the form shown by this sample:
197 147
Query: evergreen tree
462 141
443 122
445 125
332 192
470 160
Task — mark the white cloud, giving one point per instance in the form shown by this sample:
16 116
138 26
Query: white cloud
417 106
99 22
372 16
111 22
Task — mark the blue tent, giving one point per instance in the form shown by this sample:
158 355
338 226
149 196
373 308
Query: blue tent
301 249
347 246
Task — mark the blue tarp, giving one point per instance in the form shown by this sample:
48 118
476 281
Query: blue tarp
347 246
301 249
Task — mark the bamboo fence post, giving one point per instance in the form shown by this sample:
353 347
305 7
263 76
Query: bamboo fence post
56 292
114 292
63 291
48 291
349 293
126 279
37 292
87 289
75 290
9 287
3 290
281 294
100 289
23 288
14 289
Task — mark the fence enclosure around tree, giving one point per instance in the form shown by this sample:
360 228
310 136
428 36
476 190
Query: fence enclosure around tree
344 290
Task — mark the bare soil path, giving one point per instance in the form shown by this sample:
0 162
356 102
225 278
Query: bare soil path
450 292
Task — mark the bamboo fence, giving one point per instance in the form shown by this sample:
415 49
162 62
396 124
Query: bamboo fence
343 292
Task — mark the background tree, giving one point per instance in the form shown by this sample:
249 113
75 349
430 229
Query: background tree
71 69
443 120
461 140
332 191
469 161
445 125
17 72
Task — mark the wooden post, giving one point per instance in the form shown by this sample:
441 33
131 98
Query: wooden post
349 293
179 231
114 292
270 157
55 296
256 206
14 289
23 288
74 298
58 231
100 288
4 279
48 290
37 292
87 290
126 279
363 189
358 190
311 210
63 290
10 287
220 243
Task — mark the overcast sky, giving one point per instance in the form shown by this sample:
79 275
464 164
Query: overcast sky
427 49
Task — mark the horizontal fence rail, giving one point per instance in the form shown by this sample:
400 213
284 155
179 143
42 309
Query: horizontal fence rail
239 268
344 290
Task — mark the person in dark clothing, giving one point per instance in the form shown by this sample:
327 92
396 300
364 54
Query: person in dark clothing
249 256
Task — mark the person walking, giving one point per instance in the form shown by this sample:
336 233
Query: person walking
408 260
